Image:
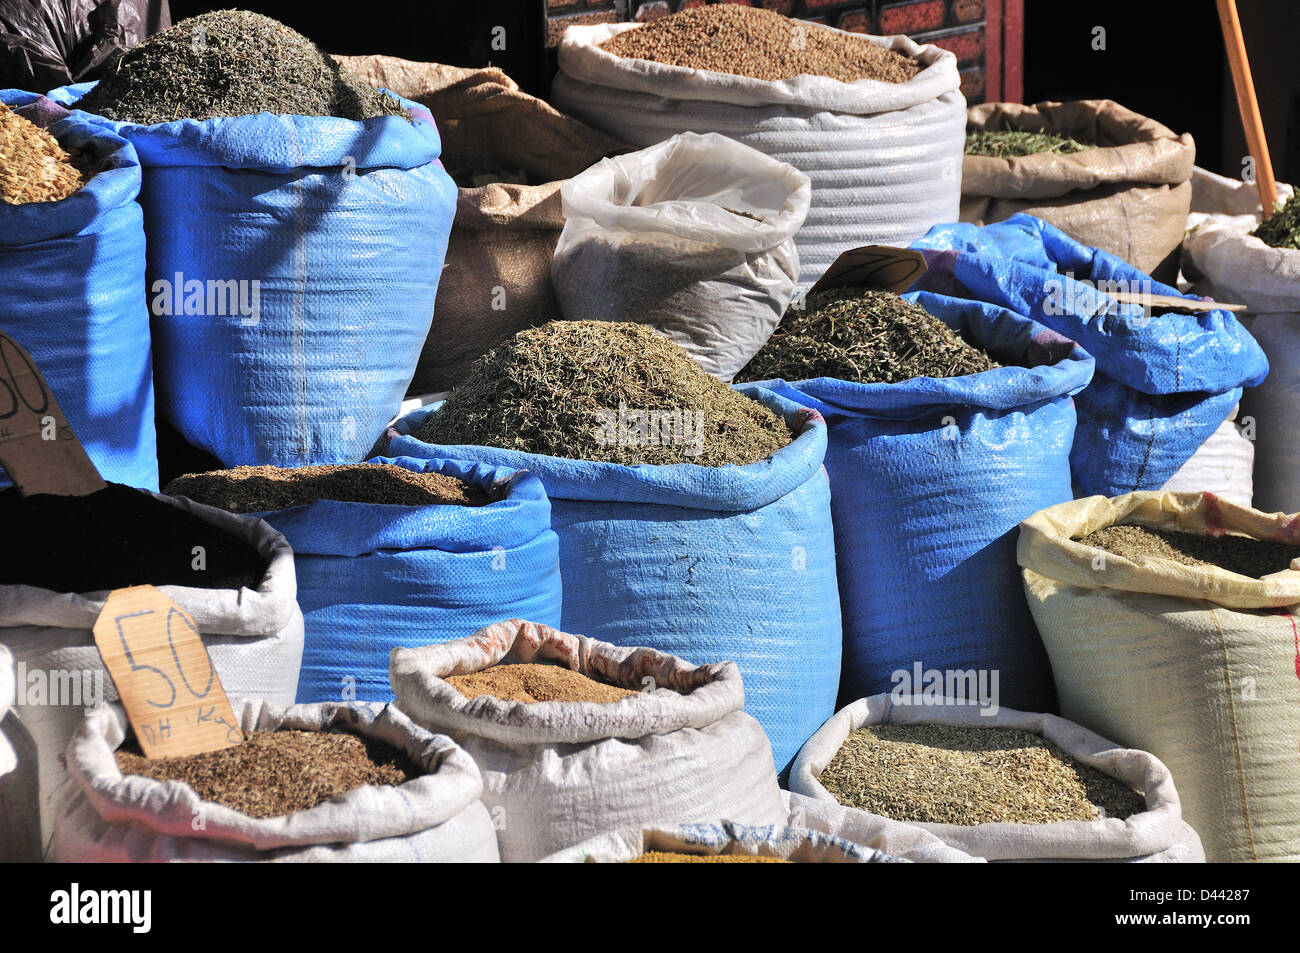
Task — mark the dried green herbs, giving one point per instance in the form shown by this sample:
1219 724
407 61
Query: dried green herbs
1005 143
605 391
1282 228
1240 554
944 774
863 336
231 63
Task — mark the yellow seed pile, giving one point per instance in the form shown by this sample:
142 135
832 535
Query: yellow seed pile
33 166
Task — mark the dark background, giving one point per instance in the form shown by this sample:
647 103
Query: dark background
1163 59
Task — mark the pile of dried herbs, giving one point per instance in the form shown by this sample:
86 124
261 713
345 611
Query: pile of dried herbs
1240 554
231 63
863 336
605 391
1282 228
1005 143
944 774
33 166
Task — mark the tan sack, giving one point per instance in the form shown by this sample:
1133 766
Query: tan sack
497 277
1129 196
1199 666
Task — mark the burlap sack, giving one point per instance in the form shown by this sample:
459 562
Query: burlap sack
1197 666
1129 197
496 280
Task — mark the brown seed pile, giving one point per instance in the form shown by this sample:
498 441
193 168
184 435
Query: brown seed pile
668 857
607 391
33 166
274 773
1240 554
762 44
263 489
536 683
943 774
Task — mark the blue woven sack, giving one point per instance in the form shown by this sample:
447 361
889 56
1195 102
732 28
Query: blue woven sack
1164 383
706 563
930 479
373 577
293 265
73 295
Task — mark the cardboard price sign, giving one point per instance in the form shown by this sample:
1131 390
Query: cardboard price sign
873 266
38 449
171 692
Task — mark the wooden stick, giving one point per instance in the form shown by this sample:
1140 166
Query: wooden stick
1247 104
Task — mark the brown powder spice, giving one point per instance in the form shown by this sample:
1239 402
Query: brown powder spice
262 489
945 774
274 773
761 44
536 683
668 857
33 166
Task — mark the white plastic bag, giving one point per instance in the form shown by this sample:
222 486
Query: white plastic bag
694 237
884 158
254 638
723 838
555 773
1157 830
1224 465
437 817
1196 665
1240 268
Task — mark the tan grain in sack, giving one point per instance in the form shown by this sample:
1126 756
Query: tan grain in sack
1199 666
1129 196
497 279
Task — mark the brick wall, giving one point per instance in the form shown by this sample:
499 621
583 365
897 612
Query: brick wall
956 25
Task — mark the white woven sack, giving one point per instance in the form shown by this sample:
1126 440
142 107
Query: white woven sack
1196 665
254 638
20 819
1243 269
1224 465
794 844
555 773
884 158
901 841
437 817
653 237
1156 830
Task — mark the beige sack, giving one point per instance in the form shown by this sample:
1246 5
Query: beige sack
1129 197
1201 667
496 280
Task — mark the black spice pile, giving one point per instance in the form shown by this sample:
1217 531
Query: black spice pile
231 63
116 537
262 489
274 773
867 337
1240 554
558 390
1005 143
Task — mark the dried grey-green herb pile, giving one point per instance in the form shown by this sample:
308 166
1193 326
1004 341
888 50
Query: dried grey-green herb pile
944 774
1005 143
866 337
231 63
557 389
1282 228
1240 554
